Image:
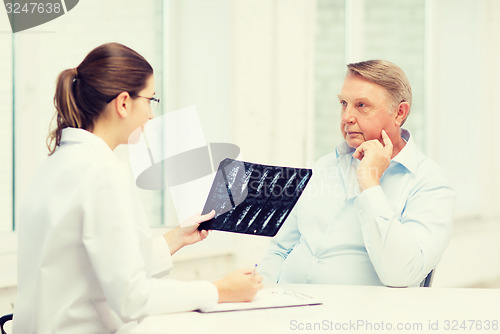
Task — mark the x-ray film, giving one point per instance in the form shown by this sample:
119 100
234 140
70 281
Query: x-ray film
253 199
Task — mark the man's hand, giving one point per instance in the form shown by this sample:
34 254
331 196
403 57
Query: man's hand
187 233
375 158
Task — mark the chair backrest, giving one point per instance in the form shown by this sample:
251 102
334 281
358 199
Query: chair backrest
3 320
428 280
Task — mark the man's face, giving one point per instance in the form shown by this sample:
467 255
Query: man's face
365 111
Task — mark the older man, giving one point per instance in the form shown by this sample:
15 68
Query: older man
377 211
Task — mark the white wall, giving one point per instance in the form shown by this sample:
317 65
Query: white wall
273 69
199 71
490 86
462 118
472 258
455 110
6 132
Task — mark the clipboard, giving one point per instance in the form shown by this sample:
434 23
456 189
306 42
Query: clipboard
253 198
265 299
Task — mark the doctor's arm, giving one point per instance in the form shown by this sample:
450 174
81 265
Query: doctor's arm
110 238
187 233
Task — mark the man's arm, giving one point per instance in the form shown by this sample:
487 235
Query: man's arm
403 248
280 246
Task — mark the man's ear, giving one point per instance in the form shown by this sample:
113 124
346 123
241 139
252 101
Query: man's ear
402 113
122 104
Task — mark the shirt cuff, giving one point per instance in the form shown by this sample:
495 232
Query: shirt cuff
212 295
162 259
203 294
169 296
372 203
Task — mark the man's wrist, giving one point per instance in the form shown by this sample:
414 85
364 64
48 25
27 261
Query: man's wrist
365 184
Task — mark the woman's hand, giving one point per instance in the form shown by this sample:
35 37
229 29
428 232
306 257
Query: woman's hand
187 233
239 286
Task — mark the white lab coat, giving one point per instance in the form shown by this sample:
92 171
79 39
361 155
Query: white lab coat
86 257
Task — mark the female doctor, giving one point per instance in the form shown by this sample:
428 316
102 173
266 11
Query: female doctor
87 261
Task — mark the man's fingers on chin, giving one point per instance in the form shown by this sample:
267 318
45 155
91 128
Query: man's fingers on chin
388 147
386 138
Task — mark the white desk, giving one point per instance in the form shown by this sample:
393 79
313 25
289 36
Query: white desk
351 309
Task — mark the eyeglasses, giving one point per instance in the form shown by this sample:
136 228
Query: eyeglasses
153 101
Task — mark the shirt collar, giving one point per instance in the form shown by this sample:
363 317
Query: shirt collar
74 135
407 157
343 149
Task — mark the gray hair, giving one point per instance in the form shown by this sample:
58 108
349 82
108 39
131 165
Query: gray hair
388 75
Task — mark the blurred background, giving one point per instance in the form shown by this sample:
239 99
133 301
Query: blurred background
264 75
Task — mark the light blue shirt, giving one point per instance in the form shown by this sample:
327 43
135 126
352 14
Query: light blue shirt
393 234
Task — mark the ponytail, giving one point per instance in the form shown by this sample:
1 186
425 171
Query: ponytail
67 114
82 93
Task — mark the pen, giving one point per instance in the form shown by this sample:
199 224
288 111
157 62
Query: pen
254 269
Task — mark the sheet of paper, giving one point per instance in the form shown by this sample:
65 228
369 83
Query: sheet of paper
267 298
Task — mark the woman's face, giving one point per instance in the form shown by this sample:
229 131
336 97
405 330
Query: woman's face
141 110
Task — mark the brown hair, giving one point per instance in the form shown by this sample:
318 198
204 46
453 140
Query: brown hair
83 92
387 75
